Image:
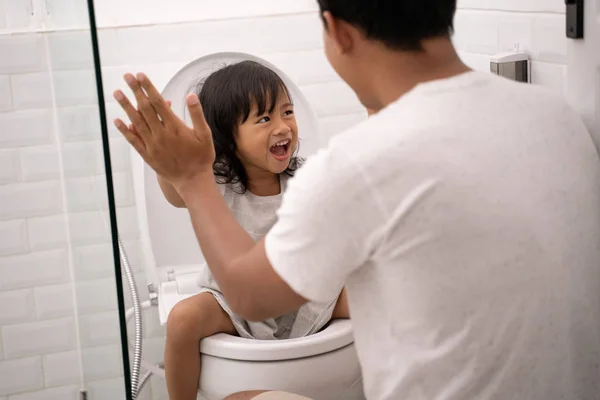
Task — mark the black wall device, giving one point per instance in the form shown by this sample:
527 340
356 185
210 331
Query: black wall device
574 19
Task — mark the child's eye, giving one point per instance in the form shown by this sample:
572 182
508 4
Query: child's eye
289 112
264 119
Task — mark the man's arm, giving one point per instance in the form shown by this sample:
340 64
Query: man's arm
240 266
170 193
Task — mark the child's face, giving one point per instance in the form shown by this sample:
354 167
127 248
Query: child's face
267 141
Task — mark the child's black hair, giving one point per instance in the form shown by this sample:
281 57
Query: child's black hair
227 96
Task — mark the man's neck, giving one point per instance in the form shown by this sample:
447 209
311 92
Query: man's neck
393 74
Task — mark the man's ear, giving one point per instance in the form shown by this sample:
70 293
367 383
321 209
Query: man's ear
342 34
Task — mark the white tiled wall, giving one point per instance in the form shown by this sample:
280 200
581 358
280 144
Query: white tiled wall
537 27
48 290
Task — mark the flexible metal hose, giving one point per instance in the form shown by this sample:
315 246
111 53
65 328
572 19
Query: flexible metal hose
155 369
144 380
137 320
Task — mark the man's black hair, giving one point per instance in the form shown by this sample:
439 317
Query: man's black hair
399 24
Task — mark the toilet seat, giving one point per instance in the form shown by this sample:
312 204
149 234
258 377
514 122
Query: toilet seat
181 284
335 336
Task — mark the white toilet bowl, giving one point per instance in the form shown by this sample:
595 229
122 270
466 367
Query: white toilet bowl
323 366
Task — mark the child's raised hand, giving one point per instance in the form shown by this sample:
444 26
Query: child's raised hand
175 151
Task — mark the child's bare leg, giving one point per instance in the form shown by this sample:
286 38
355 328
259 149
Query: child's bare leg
341 310
190 321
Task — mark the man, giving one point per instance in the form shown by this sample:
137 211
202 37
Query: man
463 217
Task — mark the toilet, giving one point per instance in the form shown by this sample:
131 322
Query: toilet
323 366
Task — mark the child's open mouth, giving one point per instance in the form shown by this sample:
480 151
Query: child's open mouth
280 150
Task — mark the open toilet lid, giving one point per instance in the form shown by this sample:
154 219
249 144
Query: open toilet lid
167 236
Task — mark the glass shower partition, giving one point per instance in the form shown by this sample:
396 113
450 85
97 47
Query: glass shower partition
91 200
62 318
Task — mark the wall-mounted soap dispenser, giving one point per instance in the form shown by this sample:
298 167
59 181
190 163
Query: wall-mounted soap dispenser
513 66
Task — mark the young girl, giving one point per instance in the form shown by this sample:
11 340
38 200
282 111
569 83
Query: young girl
251 115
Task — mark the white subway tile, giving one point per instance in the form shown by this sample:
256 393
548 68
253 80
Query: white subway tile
302 32
332 99
304 67
5 94
31 90
152 326
89 228
99 329
20 375
127 223
10 166
112 77
96 261
557 6
478 62
48 232
476 31
14 237
114 110
30 199
79 123
159 388
549 39
58 393
90 193
109 47
40 163
16 307
54 301
3 24
514 31
21 15
191 10
551 76
334 125
93 262
62 368
67 14
39 337
76 87
71 50
119 155
93 227
22 54
123 188
102 362
26 128
83 194
34 269
154 349
96 296
107 389
82 159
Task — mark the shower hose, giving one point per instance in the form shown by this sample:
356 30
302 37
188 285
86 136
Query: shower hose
137 382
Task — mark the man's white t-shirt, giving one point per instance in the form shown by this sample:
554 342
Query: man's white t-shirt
464 220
